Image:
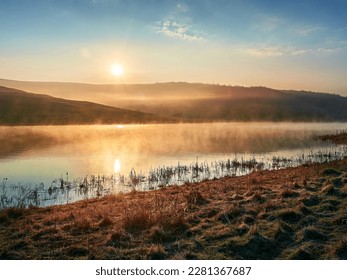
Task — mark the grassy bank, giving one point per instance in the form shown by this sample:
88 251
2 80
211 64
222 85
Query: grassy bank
295 213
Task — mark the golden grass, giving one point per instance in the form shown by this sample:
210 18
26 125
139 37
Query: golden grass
297 213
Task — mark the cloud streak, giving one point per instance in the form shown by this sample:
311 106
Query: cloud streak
288 51
177 25
309 29
181 31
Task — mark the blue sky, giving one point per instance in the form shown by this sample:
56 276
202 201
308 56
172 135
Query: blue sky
280 44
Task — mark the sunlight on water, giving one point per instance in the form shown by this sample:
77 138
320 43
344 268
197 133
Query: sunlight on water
41 154
116 165
146 156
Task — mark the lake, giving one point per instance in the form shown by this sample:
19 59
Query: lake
114 158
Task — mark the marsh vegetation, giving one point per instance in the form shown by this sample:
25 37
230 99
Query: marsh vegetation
63 190
43 166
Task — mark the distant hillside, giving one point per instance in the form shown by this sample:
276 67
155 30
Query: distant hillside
254 104
202 102
23 108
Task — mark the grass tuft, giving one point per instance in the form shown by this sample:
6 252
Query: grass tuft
106 222
14 213
158 235
330 190
311 200
331 172
137 220
117 239
300 254
77 251
288 193
289 215
311 234
156 252
341 249
255 247
195 198
81 226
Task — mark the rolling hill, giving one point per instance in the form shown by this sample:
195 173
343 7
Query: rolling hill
202 102
23 108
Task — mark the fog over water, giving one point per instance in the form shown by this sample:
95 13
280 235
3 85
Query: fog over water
42 154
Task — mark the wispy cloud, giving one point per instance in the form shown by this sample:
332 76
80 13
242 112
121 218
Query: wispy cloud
177 24
289 51
309 29
267 51
178 30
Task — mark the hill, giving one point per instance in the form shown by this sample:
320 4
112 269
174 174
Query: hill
23 108
202 102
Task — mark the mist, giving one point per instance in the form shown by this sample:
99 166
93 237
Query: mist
174 102
160 139
93 149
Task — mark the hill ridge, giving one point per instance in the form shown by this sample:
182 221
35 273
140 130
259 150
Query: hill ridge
19 107
198 102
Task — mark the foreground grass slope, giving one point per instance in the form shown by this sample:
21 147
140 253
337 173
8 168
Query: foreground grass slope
296 213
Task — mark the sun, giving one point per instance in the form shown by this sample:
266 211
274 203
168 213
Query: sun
117 70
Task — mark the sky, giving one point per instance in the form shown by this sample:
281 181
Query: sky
297 44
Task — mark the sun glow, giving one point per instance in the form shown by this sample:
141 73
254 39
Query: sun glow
116 165
117 70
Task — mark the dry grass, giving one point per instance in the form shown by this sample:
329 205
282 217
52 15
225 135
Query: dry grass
297 213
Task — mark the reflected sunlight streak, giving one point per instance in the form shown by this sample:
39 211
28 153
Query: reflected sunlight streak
116 165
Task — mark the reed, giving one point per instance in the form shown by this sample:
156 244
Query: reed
65 190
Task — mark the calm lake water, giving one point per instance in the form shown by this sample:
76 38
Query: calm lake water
56 155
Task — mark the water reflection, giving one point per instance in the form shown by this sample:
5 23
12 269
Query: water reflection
116 165
63 191
41 154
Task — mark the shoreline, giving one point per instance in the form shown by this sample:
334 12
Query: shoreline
61 190
293 213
